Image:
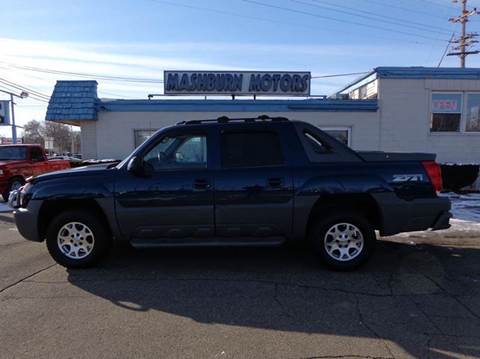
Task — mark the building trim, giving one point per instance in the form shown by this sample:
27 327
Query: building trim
238 105
444 73
416 73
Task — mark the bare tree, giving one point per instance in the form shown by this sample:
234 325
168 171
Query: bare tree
61 135
33 132
77 147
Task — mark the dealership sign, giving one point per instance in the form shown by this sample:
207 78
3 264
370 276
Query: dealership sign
4 113
237 83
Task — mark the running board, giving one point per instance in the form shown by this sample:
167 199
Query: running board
215 242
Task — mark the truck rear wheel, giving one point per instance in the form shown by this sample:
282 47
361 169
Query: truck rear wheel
343 239
77 239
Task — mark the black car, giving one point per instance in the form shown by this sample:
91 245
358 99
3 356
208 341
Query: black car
234 182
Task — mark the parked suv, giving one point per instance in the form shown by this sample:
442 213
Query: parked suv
235 182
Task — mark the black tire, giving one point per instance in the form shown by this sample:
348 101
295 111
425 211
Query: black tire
325 222
99 246
14 182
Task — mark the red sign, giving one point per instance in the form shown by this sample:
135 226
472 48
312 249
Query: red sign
9 141
448 105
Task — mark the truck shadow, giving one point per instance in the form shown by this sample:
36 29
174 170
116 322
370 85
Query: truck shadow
6 218
424 299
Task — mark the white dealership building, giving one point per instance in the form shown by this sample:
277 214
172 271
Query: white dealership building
395 109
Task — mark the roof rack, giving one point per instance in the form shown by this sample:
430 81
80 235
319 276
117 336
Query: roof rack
225 119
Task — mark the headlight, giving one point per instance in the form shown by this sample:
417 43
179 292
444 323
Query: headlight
1 172
24 196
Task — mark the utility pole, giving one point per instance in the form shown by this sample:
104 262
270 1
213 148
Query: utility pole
72 145
14 127
12 104
466 40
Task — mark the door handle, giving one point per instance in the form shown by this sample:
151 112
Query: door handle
201 183
275 182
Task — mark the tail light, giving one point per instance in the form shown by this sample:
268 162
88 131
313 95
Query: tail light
434 172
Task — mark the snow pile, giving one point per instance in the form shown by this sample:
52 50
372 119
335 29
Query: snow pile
465 207
465 211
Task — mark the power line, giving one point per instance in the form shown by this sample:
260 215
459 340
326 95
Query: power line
446 50
31 93
466 40
406 9
85 75
24 88
22 105
438 4
108 93
33 97
282 22
115 78
341 21
376 17
42 97
379 17
339 75
230 13
30 96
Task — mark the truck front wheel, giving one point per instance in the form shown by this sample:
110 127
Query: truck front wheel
343 239
77 239
14 184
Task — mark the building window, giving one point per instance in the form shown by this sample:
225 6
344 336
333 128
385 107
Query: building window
342 134
473 113
446 112
142 135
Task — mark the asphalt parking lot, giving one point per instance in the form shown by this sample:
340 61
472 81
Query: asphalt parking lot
418 297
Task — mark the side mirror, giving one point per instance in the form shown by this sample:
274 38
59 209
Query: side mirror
139 168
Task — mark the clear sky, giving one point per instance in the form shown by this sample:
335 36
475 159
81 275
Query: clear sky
41 40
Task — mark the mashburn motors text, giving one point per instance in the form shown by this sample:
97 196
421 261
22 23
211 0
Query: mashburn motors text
237 83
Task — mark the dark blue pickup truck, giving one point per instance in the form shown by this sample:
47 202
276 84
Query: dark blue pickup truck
234 182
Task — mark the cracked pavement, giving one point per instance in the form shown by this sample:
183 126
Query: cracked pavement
410 301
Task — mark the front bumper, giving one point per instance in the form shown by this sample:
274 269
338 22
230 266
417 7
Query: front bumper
26 220
416 215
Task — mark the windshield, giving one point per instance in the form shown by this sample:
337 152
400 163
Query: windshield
13 153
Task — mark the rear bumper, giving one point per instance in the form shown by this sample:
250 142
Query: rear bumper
399 215
26 220
443 221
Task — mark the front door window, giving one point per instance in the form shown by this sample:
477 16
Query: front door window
184 151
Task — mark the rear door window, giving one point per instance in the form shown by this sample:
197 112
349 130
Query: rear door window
315 143
251 149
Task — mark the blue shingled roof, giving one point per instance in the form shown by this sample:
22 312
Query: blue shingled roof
73 101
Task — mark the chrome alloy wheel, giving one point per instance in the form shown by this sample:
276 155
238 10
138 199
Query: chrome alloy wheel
75 240
343 242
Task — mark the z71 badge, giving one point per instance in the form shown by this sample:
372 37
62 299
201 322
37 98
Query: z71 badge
408 178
